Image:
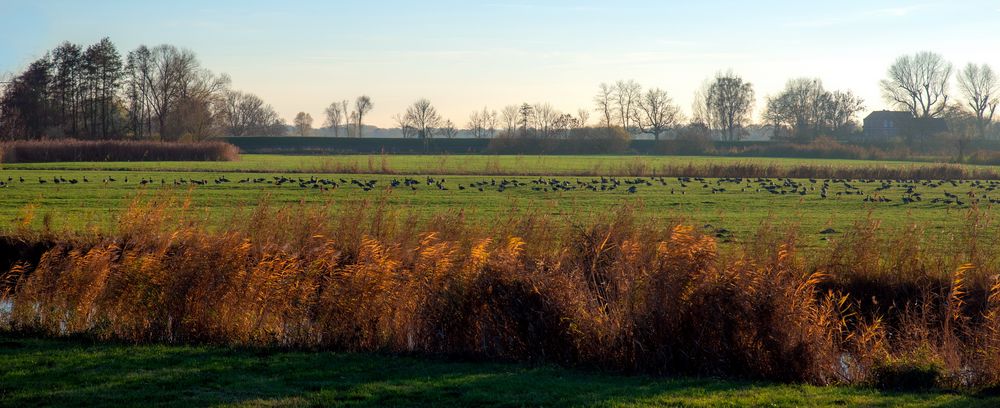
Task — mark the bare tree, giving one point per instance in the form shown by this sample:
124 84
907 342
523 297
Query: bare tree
200 99
510 114
981 89
362 106
489 119
169 66
180 94
728 101
626 96
842 111
809 110
483 124
582 116
476 125
699 104
448 129
404 125
245 114
423 117
348 117
334 115
797 107
657 113
303 123
545 118
565 124
605 104
919 84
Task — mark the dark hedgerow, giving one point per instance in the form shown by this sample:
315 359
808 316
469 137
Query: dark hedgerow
71 150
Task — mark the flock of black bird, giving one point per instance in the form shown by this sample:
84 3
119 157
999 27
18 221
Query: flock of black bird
948 192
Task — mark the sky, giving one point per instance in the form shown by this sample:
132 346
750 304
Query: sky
302 55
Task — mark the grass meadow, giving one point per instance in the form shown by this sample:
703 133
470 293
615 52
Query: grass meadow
737 211
622 165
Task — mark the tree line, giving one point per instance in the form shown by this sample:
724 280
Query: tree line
801 112
152 93
164 93
723 106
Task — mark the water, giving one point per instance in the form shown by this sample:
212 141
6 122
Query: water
6 307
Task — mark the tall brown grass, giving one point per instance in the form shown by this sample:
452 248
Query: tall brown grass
70 150
697 142
871 172
643 167
822 147
614 291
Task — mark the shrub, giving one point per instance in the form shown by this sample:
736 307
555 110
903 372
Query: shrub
921 370
984 157
694 139
821 147
577 141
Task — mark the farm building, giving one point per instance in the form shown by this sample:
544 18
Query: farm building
885 125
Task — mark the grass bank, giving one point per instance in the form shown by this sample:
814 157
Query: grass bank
37 372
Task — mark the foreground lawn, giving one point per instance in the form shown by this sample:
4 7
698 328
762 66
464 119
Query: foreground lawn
36 372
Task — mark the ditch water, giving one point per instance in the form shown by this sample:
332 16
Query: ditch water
6 306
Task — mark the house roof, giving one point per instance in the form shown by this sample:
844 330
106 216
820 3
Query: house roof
889 115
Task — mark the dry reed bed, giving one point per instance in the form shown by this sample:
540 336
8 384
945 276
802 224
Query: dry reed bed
71 150
614 292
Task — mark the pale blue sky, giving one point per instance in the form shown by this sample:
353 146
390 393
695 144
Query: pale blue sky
301 55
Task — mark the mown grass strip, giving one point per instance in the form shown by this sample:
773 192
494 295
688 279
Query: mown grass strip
36 372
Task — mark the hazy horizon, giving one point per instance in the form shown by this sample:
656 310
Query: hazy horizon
302 55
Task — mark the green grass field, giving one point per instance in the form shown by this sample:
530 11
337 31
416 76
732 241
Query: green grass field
740 209
79 373
446 164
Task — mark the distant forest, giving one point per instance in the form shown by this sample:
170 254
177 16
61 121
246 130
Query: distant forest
164 93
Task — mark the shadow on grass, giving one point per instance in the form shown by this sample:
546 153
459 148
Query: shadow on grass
36 372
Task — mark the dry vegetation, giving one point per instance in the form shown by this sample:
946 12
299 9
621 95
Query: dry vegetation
69 150
619 293
640 167
868 172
